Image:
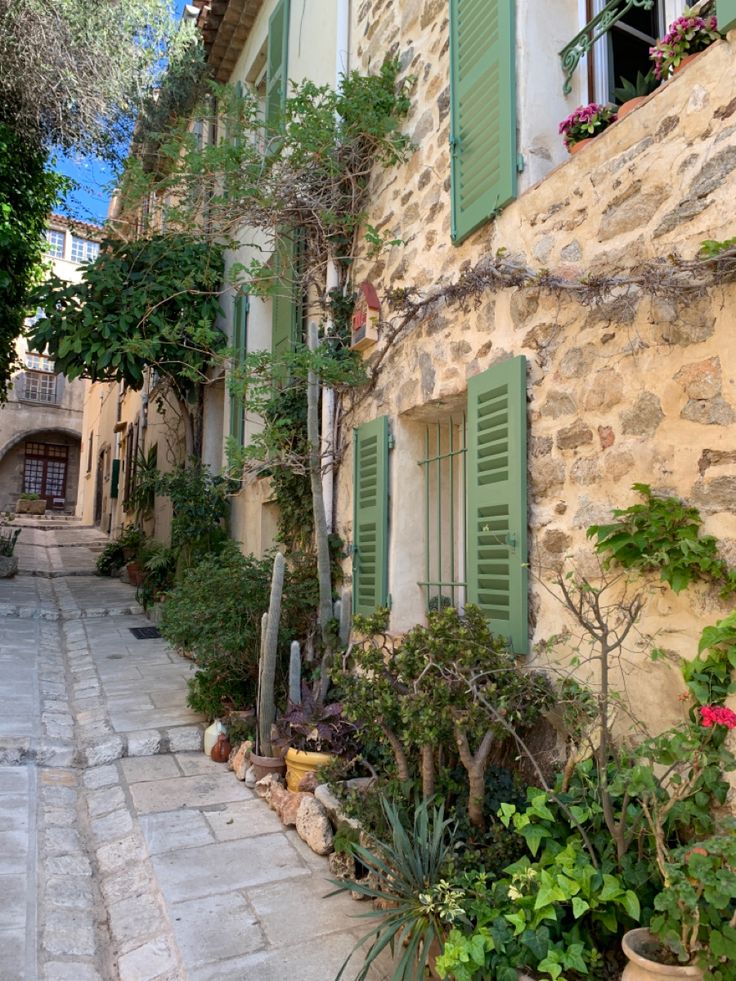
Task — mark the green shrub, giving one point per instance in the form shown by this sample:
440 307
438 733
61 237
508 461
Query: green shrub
110 559
214 613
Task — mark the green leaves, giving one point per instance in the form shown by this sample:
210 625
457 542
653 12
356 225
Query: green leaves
149 303
663 535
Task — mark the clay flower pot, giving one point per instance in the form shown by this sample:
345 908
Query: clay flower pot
299 762
136 573
263 765
640 946
576 147
629 106
686 61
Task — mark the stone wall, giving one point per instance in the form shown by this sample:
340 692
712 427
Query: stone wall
635 389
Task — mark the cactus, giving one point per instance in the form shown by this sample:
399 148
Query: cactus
295 674
346 616
269 651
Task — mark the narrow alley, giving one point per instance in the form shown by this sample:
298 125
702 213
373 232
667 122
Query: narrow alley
125 853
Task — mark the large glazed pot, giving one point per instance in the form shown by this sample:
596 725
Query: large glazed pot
640 946
299 763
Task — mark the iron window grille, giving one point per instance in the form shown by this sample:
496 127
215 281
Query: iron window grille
444 468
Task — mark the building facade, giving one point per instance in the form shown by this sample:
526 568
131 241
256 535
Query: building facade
41 423
575 354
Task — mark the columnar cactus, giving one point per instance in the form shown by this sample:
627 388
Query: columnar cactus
269 651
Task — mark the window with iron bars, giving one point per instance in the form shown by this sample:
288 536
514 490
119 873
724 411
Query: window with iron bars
443 466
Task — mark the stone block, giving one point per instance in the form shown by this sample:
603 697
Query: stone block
184 739
70 932
313 825
709 412
148 961
146 742
644 416
700 379
574 435
103 751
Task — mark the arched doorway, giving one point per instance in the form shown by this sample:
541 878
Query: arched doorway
43 462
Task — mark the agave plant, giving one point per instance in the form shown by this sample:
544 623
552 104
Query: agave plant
417 905
643 85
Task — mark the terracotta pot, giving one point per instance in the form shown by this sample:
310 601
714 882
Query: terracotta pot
640 946
629 106
263 765
686 61
136 573
299 762
576 147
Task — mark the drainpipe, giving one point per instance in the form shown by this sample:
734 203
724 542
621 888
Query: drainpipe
342 63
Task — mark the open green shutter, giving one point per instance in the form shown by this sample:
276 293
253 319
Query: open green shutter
240 344
726 11
278 63
497 505
284 303
370 525
483 108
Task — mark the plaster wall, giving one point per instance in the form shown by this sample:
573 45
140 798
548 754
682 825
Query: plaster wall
637 388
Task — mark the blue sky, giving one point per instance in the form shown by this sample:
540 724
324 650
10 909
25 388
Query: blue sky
94 180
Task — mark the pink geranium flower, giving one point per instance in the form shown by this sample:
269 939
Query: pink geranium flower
717 715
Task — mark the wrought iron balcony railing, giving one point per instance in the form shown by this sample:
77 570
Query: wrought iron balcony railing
593 31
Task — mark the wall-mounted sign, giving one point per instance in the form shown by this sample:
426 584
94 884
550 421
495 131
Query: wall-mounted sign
366 317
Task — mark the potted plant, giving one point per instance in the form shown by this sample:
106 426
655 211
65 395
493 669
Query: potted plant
131 541
585 123
686 37
633 94
8 562
313 735
30 504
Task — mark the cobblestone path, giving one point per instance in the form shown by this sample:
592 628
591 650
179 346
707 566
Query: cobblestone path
124 852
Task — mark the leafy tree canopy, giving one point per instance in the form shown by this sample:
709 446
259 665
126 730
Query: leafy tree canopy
75 73
28 191
149 303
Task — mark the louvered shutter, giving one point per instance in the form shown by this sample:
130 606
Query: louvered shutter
483 108
240 344
726 11
497 504
284 303
370 523
278 63
115 479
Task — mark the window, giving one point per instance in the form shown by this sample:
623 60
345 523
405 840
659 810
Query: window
443 468
83 250
39 362
55 240
241 308
44 471
475 507
624 49
39 386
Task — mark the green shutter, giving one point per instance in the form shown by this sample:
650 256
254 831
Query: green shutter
497 505
483 108
278 63
114 479
285 309
370 526
726 11
240 344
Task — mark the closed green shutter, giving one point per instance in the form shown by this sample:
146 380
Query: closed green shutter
483 108
496 505
278 63
285 306
240 344
726 11
370 525
114 479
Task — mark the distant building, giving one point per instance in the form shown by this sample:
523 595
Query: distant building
41 423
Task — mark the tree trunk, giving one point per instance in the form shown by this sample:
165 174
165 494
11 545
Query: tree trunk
324 572
402 764
428 772
475 767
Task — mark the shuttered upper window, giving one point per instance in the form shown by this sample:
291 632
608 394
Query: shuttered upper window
483 111
277 64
